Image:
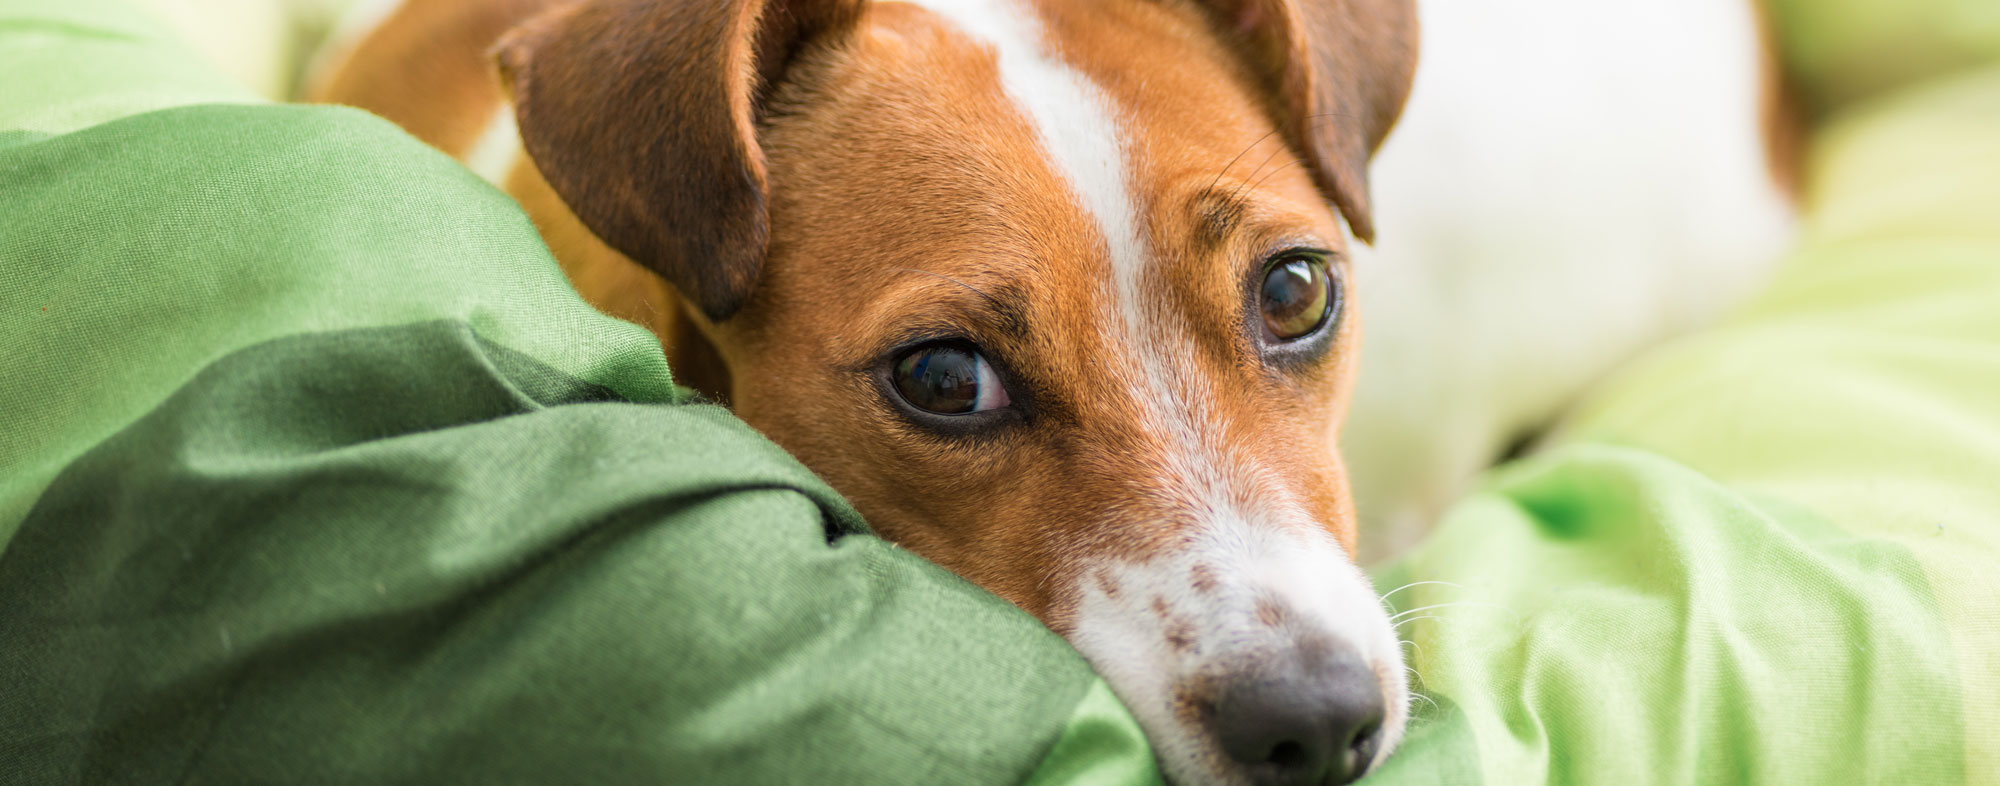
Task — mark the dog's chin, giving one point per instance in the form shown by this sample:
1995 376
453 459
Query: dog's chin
1261 603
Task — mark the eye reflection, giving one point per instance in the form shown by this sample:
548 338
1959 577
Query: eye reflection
1296 298
948 379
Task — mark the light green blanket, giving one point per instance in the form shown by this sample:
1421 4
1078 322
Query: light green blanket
1771 552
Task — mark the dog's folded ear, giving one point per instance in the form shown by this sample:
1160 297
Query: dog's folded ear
1336 74
642 115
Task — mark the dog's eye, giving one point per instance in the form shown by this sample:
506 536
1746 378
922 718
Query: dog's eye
949 379
1297 297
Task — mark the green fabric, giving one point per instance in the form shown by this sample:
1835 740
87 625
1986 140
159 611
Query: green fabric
314 470
1769 552
139 251
1098 747
79 63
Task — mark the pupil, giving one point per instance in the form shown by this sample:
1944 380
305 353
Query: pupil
1295 298
941 380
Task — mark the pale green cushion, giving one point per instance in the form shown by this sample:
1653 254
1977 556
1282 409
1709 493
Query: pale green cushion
1769 552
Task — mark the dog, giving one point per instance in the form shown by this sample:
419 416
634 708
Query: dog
1054 291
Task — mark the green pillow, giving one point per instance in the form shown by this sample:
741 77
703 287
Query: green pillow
313 469
1769 552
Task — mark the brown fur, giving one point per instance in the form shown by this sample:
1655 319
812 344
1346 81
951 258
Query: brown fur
1335 74
1784 113
425 68
642 115
852 178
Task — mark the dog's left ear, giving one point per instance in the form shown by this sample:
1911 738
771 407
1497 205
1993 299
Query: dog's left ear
643 114
1335 74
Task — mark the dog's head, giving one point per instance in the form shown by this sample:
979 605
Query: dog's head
1051 291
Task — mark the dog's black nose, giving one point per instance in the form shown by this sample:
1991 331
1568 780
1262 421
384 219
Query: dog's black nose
1302 720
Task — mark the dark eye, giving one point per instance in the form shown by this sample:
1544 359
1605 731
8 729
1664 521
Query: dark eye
948 379
1297 297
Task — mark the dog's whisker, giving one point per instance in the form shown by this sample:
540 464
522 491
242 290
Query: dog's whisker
1399 625
1385 596
1237 192
1273 173
1239 157
1394 617
1315 121
1413 643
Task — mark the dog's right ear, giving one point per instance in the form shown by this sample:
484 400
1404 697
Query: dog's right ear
1337 73
642 115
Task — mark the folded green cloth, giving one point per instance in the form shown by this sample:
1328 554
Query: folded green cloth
314 470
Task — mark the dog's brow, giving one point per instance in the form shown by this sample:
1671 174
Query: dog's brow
1218 214
1008 308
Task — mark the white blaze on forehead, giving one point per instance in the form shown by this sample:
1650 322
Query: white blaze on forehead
1077 126
1074 121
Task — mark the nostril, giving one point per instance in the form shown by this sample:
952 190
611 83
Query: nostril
1359 752
1368 740
1303 720
1288 755
1278 738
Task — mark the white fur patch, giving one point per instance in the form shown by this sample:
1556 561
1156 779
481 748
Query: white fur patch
1074 122
1079 132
